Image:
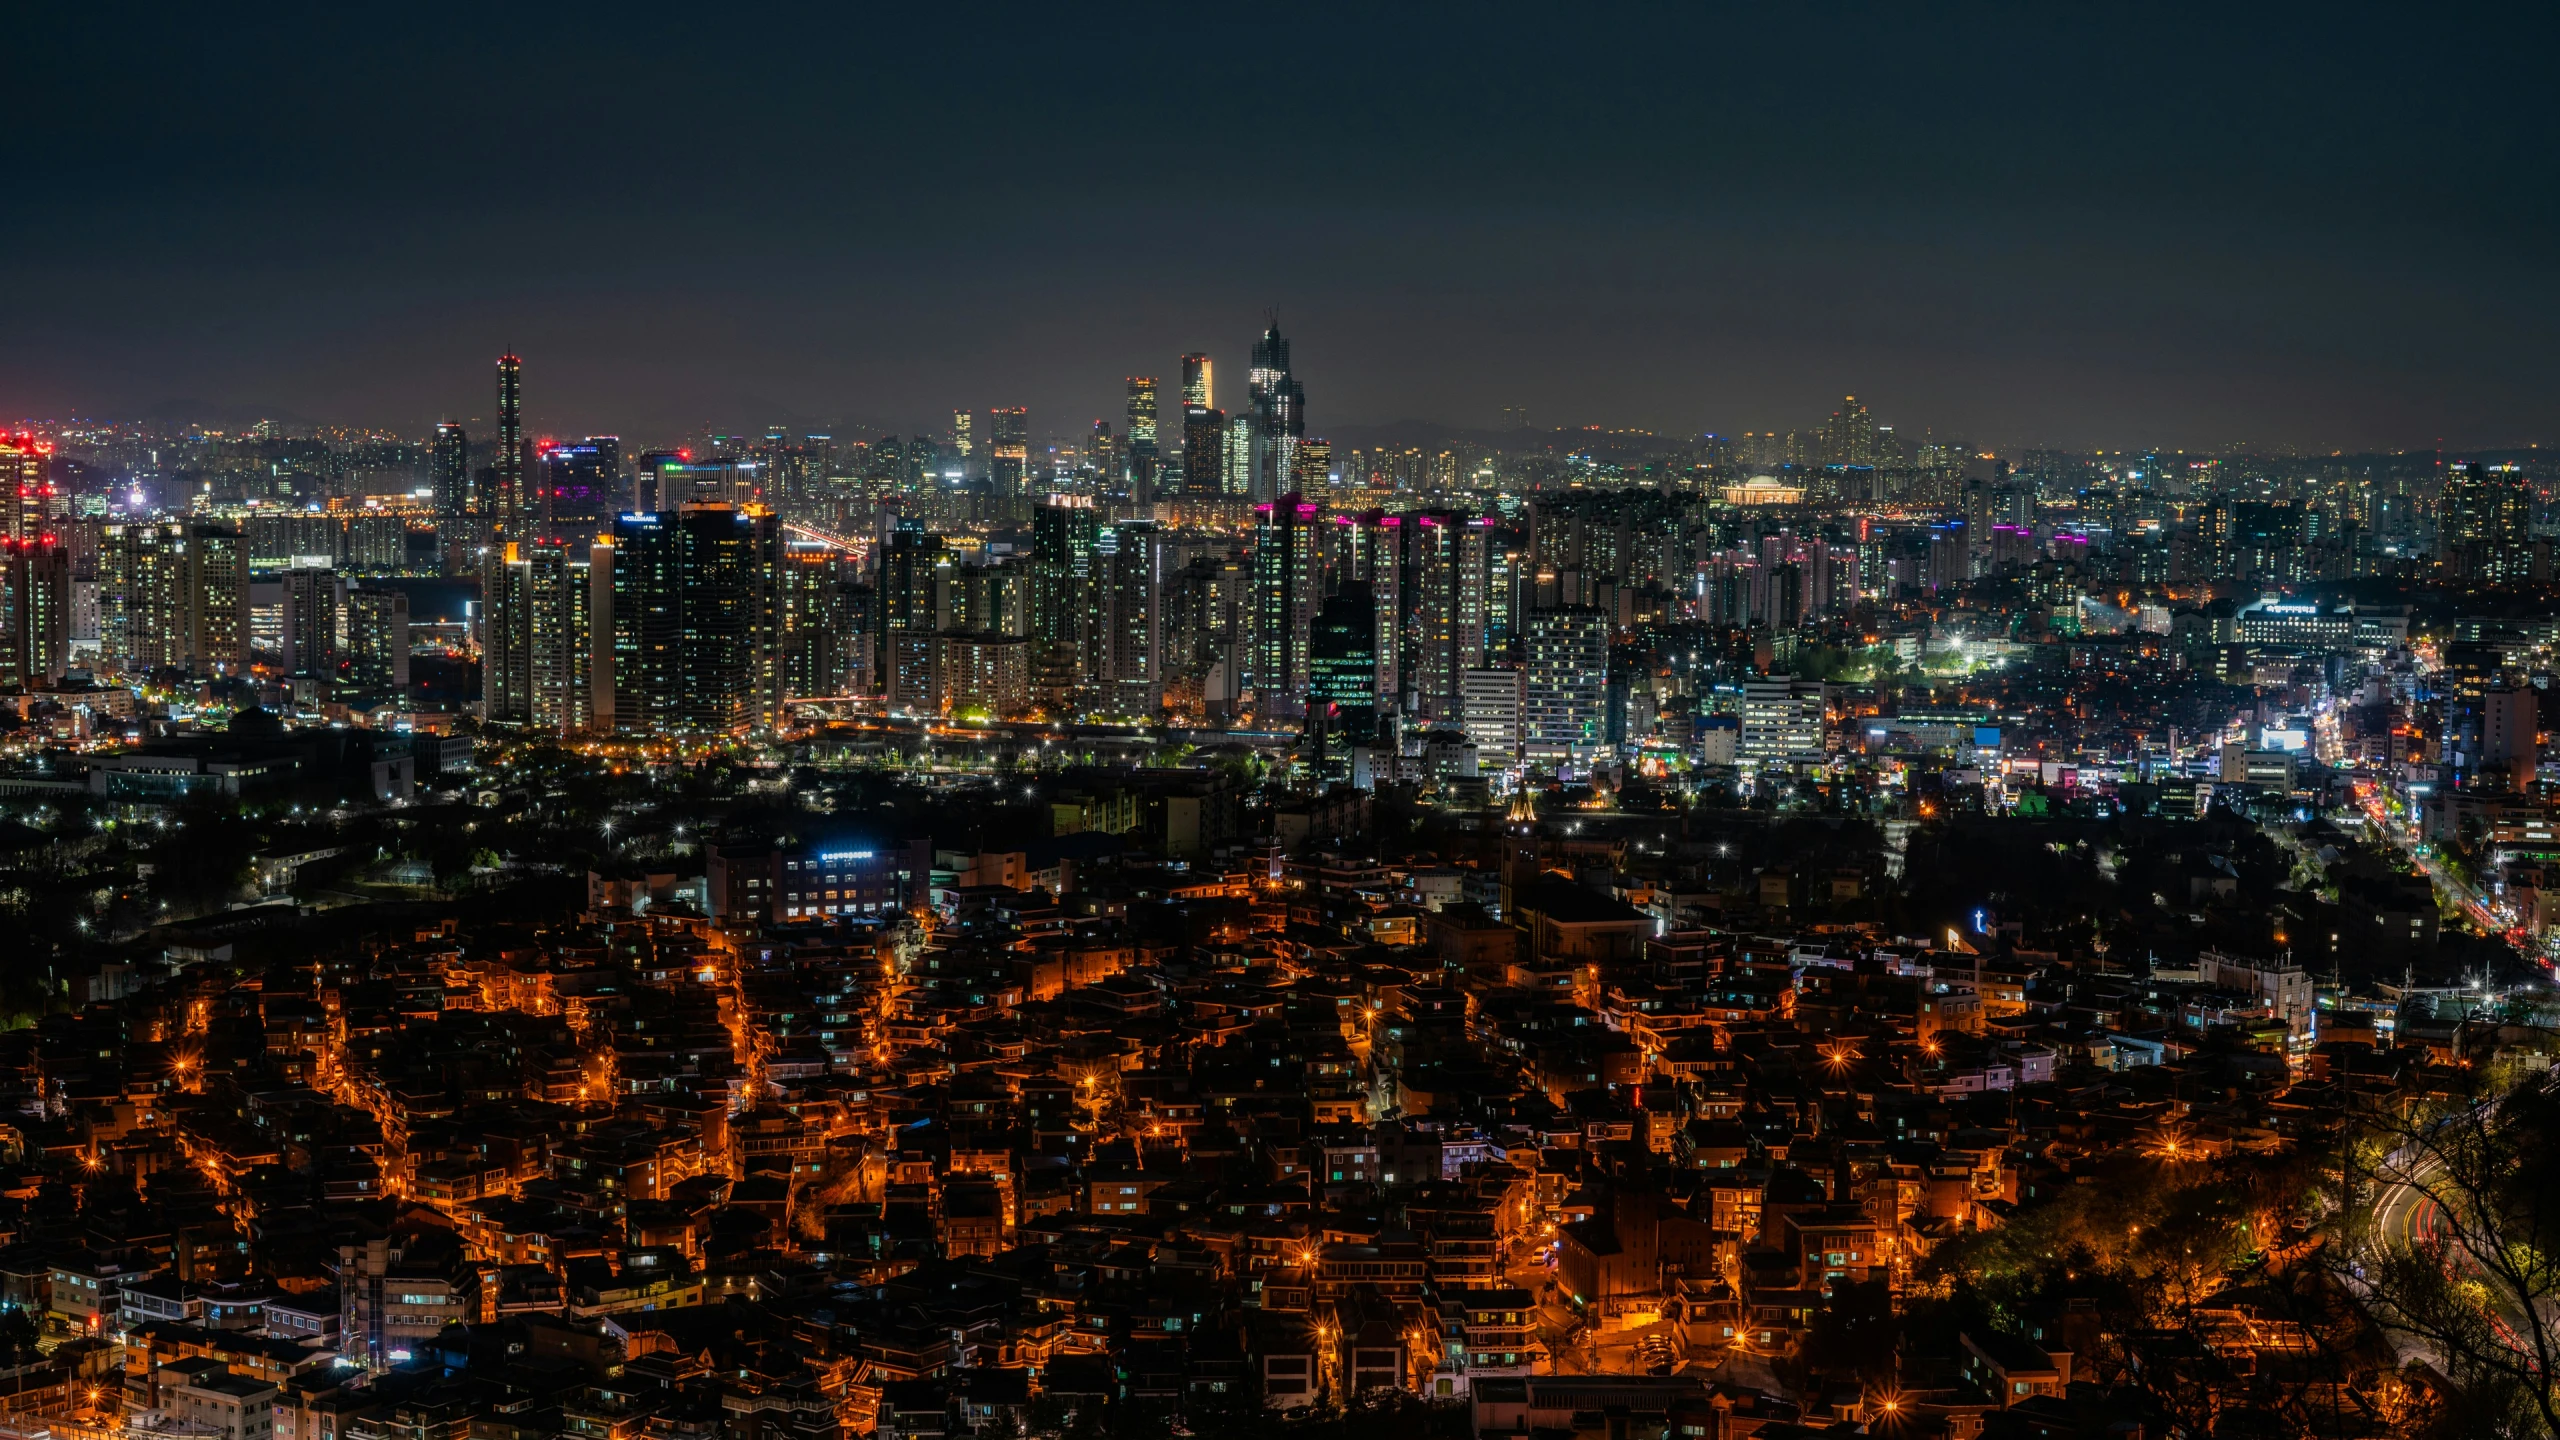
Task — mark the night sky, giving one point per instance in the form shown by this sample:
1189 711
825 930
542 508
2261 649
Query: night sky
2310 227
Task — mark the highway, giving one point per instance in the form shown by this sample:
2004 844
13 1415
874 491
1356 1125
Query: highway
2406 1216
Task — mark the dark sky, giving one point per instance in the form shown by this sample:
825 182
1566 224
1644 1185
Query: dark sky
2238 224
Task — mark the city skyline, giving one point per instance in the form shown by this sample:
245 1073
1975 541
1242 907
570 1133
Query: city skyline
2032 230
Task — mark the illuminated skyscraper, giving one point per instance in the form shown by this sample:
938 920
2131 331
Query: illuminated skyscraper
1279 415
449 467
1142 438
1204 450
173 596
1450 555
26 472
1342 663
1240 451
581 489
377 654
1064 533
509 502
818 630
1288 584
695 612
542 647
1567 685
963 436
1008 448
1198 388
906 591
2483 523
1128 562
1102 453
35 612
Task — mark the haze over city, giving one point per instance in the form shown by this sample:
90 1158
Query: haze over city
2317 230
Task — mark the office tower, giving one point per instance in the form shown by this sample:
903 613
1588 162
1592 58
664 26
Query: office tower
1199 391
314 620
908 574
35 612
1142 438
544 640
509 503
26 472
1342 663
1204 450
1496 705
1279 415
1986 486
449 471
665 482
1445 630
1102 454
1064 532
377 652
1313 466
1782 717
1008 449
1288 580
695 621
581 489
1128 578
1238 481
2483 523
1515 417
1565 686
963 434
818 631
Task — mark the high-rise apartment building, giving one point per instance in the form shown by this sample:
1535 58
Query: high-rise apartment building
964 440
1288 579
543 644
377 649
509 504
818 625
1199 392
1449 553
1566 686
909 580
173 596
449 472
1064 534
1142 438
1128 583
26 481
35 612
1279 415
315 602
695 620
